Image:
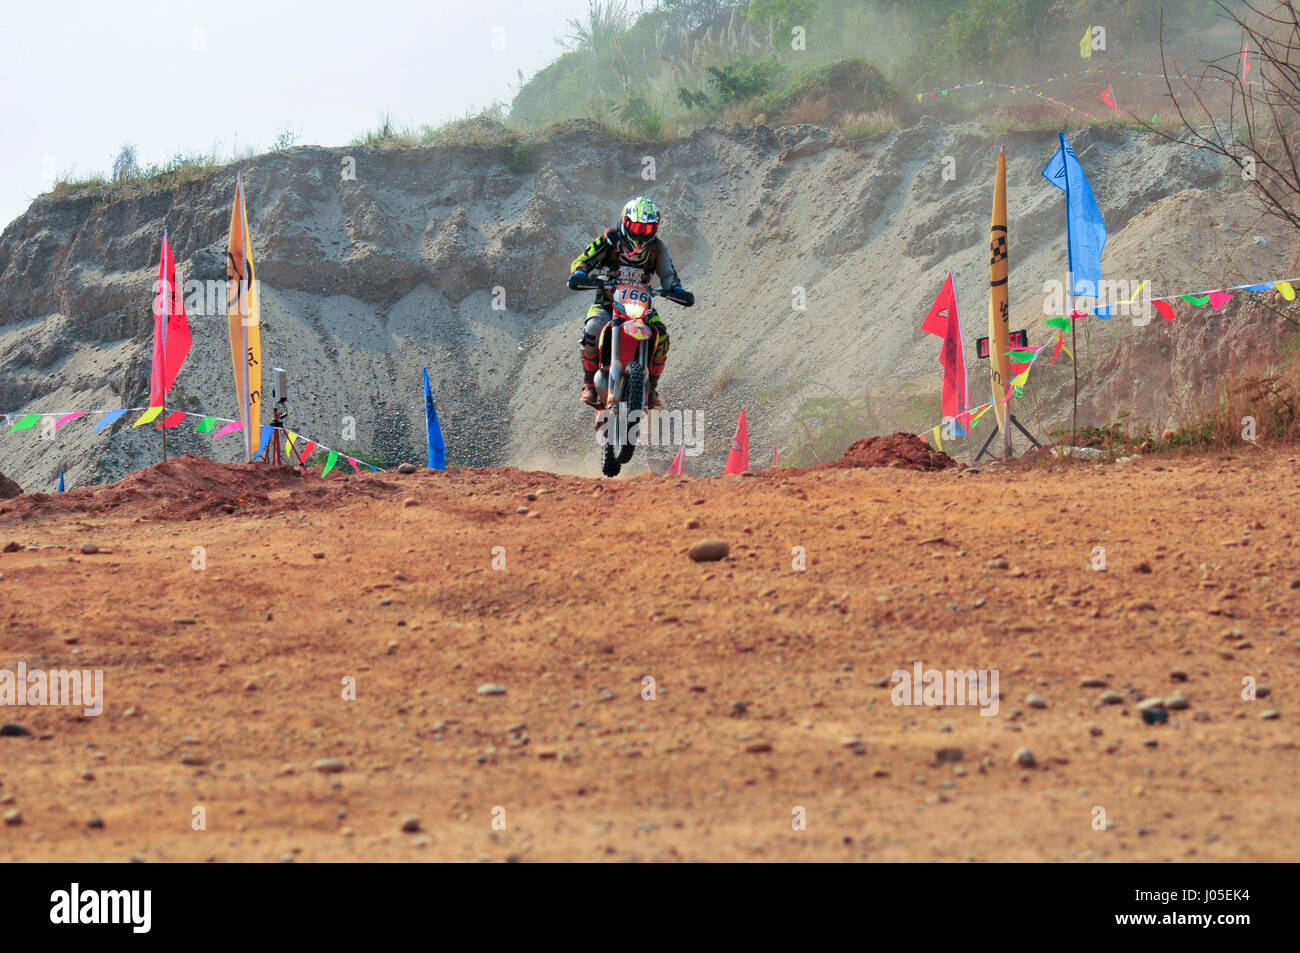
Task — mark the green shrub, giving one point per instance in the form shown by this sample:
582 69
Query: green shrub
742 79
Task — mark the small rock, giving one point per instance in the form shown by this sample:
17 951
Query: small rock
1263 691
1091 681
13 817
1151 703
89 549
406 468
1035 701
998 563
491 688
1270 715
1155 716
1177 702
948 754
1178 675
1024 757
11 730
709 550
410 824
758 747
328 766
1111 698
96 822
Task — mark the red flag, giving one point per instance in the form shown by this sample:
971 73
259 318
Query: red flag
676 468
1245 62
1108 97
171 337
738 458
776 457
943 320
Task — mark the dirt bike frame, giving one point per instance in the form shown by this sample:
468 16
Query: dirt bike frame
630 316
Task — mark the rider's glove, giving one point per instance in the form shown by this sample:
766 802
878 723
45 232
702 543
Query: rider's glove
578 281
682 296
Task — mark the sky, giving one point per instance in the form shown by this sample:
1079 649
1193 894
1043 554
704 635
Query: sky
184 76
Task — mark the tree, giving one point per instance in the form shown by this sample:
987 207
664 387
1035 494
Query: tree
1261 132
126 166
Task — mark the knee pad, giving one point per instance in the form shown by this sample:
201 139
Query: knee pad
591 330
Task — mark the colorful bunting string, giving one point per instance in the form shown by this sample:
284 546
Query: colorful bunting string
205 424
1033 89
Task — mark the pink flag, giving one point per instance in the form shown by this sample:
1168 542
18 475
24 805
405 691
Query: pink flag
1108 97
676 468
776 457
66 417
171 330
1218 299
228 428
738 458
1245 62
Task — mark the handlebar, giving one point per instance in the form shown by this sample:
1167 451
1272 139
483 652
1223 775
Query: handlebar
609 284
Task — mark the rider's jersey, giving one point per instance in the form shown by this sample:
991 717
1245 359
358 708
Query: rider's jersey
604 253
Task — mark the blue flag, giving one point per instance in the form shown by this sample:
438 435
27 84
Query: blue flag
437 449
267 434
60 482
1085 229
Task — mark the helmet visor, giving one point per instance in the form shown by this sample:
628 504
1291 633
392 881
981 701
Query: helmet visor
641 230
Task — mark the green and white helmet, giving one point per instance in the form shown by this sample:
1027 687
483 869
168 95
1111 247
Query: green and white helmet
640 221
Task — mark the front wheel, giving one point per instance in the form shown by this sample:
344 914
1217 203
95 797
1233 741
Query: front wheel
635 391
610 465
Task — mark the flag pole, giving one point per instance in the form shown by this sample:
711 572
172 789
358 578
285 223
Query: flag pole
1069 297
163 333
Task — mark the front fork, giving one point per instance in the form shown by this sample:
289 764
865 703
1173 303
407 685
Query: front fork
615 367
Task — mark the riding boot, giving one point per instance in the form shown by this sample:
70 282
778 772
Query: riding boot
654 403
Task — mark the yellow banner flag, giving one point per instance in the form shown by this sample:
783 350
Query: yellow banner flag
999 305
1085 45
245 334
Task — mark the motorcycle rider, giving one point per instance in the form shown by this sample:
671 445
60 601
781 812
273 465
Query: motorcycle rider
635 244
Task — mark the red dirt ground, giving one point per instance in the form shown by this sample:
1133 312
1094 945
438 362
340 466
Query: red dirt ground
766 675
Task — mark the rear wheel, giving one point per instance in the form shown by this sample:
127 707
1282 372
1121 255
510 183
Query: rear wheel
635 391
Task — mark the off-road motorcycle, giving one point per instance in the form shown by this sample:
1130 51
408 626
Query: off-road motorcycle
627 342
